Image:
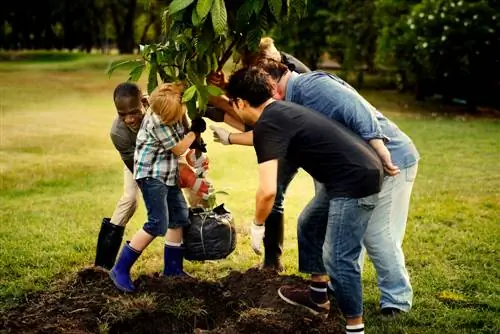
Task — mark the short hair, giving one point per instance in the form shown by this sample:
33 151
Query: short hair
275 69
127 95
166 102
250 58
251 84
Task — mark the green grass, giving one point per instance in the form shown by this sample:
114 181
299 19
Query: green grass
59 175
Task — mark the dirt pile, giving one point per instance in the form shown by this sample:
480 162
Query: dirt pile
240 302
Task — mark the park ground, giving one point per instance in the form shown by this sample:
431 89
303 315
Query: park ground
59 175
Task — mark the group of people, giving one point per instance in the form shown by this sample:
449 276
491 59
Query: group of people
362 164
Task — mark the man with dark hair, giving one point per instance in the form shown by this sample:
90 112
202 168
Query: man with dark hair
348 170
273 240
335 99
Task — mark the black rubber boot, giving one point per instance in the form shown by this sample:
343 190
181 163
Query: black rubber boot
273 242
108 244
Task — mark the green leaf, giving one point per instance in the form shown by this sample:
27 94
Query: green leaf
219 17
203 95
195 19
298 6
214 90
188 94
253 39
136 73
178 5
203 8
275 7
152 77
257 6
119 63
191 107
244 13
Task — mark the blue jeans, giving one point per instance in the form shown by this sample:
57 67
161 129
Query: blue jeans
166 206
384 238
330 235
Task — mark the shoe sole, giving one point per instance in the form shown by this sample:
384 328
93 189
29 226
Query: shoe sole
314 312
113 278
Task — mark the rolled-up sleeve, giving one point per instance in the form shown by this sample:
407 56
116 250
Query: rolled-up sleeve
340 102
167 136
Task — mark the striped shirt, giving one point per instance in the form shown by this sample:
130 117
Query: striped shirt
153 153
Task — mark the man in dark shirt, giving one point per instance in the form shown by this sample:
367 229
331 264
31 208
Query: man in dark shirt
350 171
275 224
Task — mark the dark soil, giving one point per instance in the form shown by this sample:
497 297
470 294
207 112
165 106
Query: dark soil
241 302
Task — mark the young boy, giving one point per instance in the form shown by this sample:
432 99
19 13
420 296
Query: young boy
160 143
130 104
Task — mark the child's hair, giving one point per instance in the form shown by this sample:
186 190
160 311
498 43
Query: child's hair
252 84
166 102
266 50
127 95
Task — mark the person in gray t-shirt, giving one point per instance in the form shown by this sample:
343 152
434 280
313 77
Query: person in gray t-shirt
130 104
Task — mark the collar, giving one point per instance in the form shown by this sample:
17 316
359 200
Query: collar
289 85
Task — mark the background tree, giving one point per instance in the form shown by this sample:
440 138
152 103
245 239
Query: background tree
306 38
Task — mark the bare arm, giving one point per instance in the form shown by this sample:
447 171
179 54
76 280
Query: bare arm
266 193
181 147
244 138
222 102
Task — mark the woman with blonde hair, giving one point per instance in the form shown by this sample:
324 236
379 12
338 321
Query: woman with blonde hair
160 143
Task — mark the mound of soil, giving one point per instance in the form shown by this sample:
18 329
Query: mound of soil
240 302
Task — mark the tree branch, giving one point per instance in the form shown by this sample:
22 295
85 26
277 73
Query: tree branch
227 54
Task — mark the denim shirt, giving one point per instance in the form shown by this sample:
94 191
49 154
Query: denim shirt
334 98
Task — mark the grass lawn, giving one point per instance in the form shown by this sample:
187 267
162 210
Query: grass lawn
59 175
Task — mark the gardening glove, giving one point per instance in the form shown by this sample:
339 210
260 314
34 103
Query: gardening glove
216 115
221 135
198 125
199 161
257 232
188 179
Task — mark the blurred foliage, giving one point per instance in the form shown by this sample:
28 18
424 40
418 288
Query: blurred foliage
446 47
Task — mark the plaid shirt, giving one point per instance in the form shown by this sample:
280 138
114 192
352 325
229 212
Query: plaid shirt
153 152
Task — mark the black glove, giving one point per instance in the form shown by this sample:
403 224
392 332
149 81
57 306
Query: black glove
198 125
199 144
214 114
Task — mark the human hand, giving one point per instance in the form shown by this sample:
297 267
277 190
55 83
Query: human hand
198 125
221 135
257 233
217 79
385 156
389 167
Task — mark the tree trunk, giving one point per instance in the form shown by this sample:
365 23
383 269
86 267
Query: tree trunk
124 26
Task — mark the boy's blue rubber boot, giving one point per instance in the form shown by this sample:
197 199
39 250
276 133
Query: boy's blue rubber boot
120 274
174 257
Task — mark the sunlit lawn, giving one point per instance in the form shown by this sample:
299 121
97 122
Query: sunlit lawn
59 175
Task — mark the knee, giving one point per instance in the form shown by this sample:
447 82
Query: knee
129 199
156 228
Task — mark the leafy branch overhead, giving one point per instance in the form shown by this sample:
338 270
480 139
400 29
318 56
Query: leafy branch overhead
200 36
